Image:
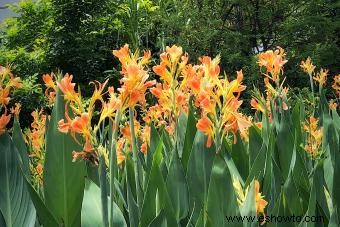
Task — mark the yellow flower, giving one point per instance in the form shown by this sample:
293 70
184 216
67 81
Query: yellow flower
321 77
336 84
314 136
307 66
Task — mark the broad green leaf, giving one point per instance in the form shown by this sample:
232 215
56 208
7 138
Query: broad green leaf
248 208
178 188
132 208
255 144
159 221
156 189
15 203
221 197
44 214
311 206
63 179
285 143
240 157
199 172
2 220
91 212
19 142
291 191
190 133
181 132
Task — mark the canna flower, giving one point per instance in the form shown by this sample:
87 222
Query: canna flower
206 126
35 139
314 137
273 61
135 77
16 110
67 87
145 138
336 84
257 106
321 77
332 105
119 151
172 93
174 52
4 120
307 66
51 87
260 202
4 96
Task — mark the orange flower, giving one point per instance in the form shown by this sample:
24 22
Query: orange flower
119 151
122 54
273 61
256 105
4 120
206 126
336 84
332 105
16 110
145 137
321 77
51 87
211 67
67 87
81 124
174 52
4 99
260 202
162 72
307 66
135 77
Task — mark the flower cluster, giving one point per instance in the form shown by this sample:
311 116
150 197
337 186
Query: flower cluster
51 87
276 94
35 139
8 82
336 84
171 93
314 137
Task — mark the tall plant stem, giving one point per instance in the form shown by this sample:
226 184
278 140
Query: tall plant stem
113 164
135 158
312 87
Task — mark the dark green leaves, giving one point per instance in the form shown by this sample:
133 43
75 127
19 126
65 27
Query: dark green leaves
16 206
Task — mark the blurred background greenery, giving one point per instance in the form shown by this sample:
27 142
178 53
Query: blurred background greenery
78 36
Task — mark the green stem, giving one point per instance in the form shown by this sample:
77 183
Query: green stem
113 164
103 188
312 87
135 158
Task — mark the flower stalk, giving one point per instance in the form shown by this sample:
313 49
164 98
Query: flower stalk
135 158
